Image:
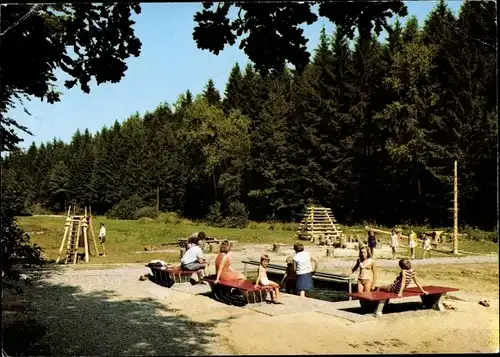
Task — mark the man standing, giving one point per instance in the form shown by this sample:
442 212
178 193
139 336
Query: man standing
102 238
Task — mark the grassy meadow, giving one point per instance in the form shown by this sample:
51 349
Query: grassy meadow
125 238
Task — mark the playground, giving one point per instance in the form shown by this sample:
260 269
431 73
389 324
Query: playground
125 316
110 312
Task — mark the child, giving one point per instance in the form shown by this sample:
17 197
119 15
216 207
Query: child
372 243
412 243
367 271
264 281
394 243
404 279
290 278
427 247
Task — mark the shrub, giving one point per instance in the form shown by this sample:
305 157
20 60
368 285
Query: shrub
149 212
126 209
237 216
169 218
38 210
214 216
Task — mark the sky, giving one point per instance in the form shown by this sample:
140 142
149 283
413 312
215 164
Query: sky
169 64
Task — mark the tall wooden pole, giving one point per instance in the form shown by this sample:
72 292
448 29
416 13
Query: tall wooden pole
455 210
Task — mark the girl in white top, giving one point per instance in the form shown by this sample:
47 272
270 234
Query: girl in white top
427 247
367 271
264 281
394 243
302 263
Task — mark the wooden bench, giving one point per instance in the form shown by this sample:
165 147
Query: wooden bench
224 291
334 277
176 274
377 300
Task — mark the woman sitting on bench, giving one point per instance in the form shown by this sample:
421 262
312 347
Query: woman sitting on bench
405 277
223 266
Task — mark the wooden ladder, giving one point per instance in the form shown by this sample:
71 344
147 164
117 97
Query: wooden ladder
74 237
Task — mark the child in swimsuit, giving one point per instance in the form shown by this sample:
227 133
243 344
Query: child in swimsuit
264 281
405 277
367 270
290 277
427 247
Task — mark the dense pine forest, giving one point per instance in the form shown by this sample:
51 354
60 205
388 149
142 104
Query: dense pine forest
369 129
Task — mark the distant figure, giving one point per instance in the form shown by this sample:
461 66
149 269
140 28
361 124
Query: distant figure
405 277
102 238
427 247
223 266
290 278
394 243
263 280
372 243
367 271
412 242
302 262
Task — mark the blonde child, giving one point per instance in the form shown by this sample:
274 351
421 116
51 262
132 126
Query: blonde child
394 243
412 243
405 277
264 281
290 277
427 247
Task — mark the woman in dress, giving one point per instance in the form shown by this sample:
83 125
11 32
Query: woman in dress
223 266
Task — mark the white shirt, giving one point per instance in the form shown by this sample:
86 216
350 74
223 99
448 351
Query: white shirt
102 232
192 255
303 262
394 240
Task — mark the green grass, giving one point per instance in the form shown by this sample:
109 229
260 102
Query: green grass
126 237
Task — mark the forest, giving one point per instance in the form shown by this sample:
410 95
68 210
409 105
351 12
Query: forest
368 129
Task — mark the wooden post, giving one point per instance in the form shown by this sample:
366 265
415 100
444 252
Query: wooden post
455 210
67 226
77 241
91 227
85 240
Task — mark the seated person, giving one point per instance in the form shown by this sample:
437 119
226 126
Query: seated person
405 277
194 260
223 266
196 239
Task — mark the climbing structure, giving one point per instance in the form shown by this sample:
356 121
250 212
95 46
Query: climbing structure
319 225
76 236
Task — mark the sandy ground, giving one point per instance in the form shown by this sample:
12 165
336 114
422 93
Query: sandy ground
110 312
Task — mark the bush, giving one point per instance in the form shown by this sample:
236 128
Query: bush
126 209
149 212
214 216
169 218
237 216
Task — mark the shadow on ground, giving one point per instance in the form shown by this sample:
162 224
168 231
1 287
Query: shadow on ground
390 308
61 319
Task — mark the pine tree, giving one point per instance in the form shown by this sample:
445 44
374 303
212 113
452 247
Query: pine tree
232 94
211 93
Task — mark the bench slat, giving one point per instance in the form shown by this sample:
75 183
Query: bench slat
246 285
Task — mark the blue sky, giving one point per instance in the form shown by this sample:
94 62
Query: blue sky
170 63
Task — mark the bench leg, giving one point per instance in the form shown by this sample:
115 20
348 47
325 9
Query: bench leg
434 301
380 307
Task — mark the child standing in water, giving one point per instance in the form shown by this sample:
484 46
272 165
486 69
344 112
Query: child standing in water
367 271
427 247
394 243
412 242
290 277
405 277
264 281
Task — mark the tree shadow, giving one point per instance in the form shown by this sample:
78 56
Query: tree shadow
391 308
62 319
